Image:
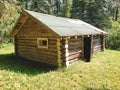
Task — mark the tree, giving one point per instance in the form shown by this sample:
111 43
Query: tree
91 11
78 9
113 8
8 15
67 5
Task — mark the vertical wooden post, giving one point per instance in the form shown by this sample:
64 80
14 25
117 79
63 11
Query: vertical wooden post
92 46
102 43
59 52
82 46
15 46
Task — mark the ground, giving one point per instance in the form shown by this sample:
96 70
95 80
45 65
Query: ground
102 73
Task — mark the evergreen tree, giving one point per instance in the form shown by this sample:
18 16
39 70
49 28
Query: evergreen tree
8 16
67 8
91 11
113 6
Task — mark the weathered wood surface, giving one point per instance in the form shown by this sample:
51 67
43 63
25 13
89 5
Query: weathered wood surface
20 22
97 45
72 49
27 48
97 49
33 29
16 46
59 52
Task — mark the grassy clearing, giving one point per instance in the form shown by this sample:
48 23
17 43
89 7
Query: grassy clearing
102 73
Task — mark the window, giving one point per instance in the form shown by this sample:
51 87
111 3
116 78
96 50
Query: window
42 42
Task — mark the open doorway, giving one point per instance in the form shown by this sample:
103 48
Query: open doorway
87 49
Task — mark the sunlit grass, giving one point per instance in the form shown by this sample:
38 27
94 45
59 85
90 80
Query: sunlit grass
102 73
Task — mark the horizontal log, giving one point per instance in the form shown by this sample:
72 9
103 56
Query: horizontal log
52 60
69 58
36 49
73 43
70 61
49 49
53 54
28 50
67 46
99 46
52 42
73 56
27 44
52 46
39 60
97 50
75 48
74 60
34 55
26 47
25 38
75 52
63 50
69 54
26 41
38 52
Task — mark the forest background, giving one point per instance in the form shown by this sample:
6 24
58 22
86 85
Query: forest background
104 14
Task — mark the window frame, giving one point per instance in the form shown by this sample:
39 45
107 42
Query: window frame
42 39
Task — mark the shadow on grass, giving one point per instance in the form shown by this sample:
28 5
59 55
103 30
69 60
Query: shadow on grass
19 65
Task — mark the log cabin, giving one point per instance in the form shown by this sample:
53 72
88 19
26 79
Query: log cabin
55 40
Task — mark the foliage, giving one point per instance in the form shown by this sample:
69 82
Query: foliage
113 38
113 7
91 11
8 16
43 6
55 7
102 73
67 8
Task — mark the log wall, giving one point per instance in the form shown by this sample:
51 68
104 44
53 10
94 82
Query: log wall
27 48
26 40
98 44
72 49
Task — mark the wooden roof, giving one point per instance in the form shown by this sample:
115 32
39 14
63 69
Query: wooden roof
59 25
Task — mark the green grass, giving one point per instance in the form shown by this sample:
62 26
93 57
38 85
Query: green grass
102 73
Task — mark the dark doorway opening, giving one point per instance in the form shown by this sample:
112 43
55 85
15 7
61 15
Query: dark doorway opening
87 49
